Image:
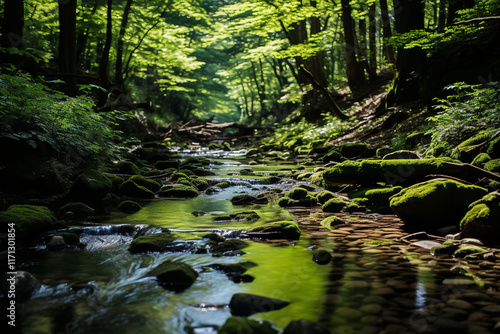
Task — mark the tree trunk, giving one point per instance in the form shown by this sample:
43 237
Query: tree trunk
104 63
119 80
13 23
67 42
372 31
387 32
354 72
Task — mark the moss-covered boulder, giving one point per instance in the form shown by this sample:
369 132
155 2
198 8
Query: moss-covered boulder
276 230
179 191
333 155
323 196
494 148
127 167
482 221
167 164
90 187
393 172
380 197
297 193
132 189
465 150
174 276
466 249
29 221
447 248
401 154
229 247
158 242
435 203
335 204
79 210
239 216
223 185
245 304
200 183
332 221
493 165
239 325
145 182
246 199
116 181
304 327
354 150
129 206
481 159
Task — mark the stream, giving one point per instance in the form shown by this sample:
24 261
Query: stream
376 283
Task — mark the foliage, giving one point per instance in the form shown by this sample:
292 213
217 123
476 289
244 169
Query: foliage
42 117
469 109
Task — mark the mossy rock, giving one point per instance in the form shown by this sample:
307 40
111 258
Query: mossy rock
246 304
401 154
202 172
90 187
129 206
127 167
353 150
200 183
297 193
69 238
333 155
382 151
290 202
29 221
277 230
493 165
246 199
239 325
380 197
353 207
244 216
214 237
166 164
463 150
229 247
447 248
465 249
323 196
79 209
494 148
435 203
415 139
185 181
223 185
398 171
481 159
158 242
116 181
180 191
174 276
180 175
482 221
330 222
145 182
132 189
334 205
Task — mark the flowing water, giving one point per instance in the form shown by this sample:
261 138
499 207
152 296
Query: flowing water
373 282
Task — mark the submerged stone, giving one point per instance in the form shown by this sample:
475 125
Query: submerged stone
240 325
245 304
435 203
321 256
174 276
229 247
304 327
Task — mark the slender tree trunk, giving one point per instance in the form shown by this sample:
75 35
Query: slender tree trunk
387 32
13 23
372 32
119 80
67 42
104 63
363 45
354 72
442 13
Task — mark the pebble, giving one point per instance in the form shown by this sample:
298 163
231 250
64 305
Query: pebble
445 325
460 304
348 313
356 285
395 329
371 309
458 282
492 309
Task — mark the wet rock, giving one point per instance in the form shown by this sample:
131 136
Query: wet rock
276 230
80 210
494 310
25 284
129 206
460 304
230 247
240 325
140 180
482 221
214 237
434 203
331 222
371 309
30 221
245 304
158 242
132 189
321 256
179 191
336 204
56 243
248 199
69 238
174 276
90 187
348 313
304 327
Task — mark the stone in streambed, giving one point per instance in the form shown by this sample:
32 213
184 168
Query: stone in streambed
321 256
158 242
179 191
90 187
80 210
304 327
240 325
30 221
435 203
174 276
482 221
131 189
276 230
229 248
245 304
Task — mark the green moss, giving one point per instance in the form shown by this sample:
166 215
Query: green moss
382 151
493 165
145 182
166 164
174 276
180 191
482 221
297 193
352 150
202 172
127 167
239 216
151 243
132 189
129 206
323 196
79 209
30 221
200 183
333 155
447 248
435 203
90 187
380 197
185 181
243 199
279 230
334 205
481 159
464 250
462 152
353 207
116 181
239 325
331 221
214 237
229 246
223 184
494 148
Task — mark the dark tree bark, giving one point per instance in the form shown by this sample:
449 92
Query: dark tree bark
13 23
67 42
119 80
104 63
387 32
372 31
355 75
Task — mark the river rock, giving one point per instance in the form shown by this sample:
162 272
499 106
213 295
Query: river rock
80 210
240 325
229 247
434 203
56 243
30 221
131 189
304 327
482 221
321 256
158 242
401 154
178 191
26 284
90 187
245 304
276 230
174 276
